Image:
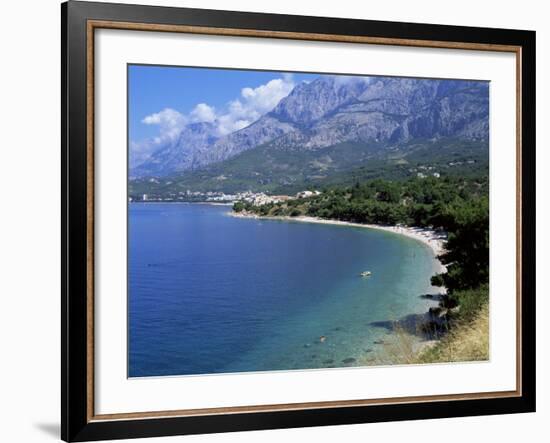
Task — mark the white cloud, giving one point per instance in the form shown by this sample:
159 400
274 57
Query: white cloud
238 114
253 103
288 77
341 80
170 121
167 116
203 113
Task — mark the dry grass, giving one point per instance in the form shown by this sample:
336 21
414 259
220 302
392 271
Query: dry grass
467 341
399 348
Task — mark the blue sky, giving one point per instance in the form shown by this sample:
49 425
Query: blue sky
163 99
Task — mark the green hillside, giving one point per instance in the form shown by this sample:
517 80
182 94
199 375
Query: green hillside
275 170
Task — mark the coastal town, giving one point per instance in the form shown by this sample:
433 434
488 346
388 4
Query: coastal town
253 198
259 198
154 194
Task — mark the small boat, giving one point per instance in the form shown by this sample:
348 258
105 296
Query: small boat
366 274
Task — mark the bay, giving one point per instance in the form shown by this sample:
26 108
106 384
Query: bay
211 293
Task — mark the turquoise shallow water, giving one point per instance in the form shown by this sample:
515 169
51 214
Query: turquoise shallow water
211 293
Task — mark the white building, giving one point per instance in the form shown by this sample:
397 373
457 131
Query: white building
306 194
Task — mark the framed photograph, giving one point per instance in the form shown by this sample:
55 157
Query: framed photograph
277 221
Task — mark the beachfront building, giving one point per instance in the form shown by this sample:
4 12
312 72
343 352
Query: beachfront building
260 199
306 194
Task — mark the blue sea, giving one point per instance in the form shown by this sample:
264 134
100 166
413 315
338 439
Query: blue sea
211 293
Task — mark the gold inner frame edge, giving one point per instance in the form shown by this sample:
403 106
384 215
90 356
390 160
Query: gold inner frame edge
92 25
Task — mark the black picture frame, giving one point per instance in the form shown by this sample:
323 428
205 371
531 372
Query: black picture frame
76 422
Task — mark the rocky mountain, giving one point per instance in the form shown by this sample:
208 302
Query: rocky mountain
336 110
265 129
310 102
393 110
185 154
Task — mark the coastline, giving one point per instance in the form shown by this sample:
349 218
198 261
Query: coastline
429 237
434 240
163 202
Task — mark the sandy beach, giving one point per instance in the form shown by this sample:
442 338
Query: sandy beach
427 236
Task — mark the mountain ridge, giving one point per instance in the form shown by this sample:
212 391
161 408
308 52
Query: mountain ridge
287 171
334 110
